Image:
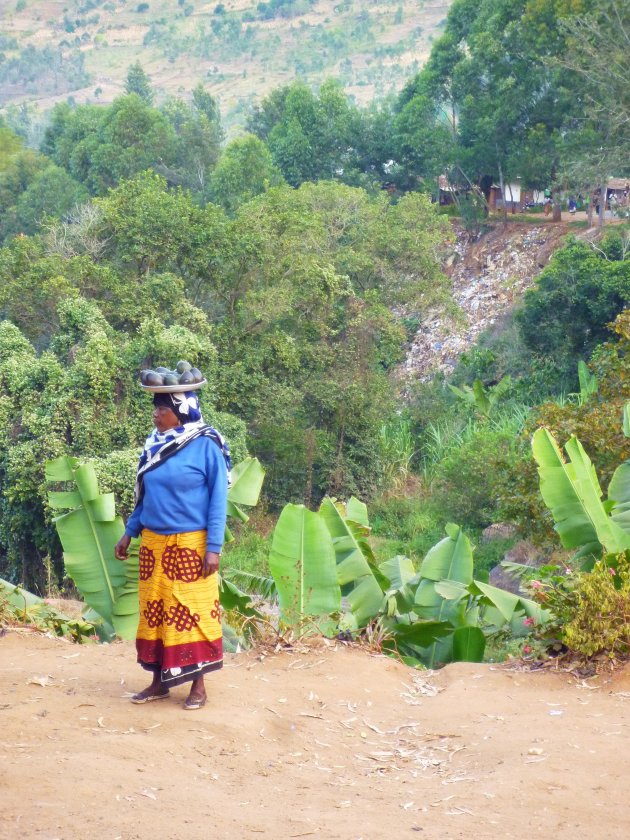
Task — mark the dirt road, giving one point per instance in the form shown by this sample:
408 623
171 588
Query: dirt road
329 743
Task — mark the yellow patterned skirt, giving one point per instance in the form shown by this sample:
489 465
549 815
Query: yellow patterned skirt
179 633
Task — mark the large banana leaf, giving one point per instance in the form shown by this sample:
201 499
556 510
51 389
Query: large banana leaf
507 604
572 492
450 559
399 571
126 612
302 562
619 493
260 586
247 480
232 598
431 605
357 511
413 640
88 533
354 572
469 644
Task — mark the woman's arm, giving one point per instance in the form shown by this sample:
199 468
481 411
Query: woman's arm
216 477
134 523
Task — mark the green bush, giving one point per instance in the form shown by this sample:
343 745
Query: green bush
466 481
407 525
116 473
600 621
566 315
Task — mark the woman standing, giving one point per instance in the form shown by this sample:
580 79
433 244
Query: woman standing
181 500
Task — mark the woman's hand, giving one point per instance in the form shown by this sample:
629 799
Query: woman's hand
120 549
210 563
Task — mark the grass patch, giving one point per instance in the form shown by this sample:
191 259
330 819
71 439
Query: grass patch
412 525
249 552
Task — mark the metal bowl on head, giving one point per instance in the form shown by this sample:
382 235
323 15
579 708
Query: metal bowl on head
174 389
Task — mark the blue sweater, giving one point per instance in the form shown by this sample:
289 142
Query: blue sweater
188 492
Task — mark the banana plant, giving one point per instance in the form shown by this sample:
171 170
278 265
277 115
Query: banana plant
440 614
302 562
442 595
89 529
589 383
357 571
485 400
431 616
572 492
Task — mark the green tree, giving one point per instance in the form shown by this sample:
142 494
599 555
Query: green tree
52 193
305 338
101 146
566 315
244 170
138 82
597 146
199 138
494 76
148 225
10 145
310 136
423 145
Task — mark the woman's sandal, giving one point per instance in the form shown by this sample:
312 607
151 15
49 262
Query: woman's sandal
143 697
194 703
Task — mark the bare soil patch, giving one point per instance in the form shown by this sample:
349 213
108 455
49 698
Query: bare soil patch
329 742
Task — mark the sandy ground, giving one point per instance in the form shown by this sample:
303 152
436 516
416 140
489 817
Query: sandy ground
331 743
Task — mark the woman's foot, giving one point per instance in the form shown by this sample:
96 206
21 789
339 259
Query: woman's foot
194 702
197 697
155 691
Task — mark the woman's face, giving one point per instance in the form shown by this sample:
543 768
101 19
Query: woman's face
164 418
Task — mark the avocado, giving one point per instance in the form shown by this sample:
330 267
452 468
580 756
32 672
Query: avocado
186 378
183 366
170 379
162 370
196 374
153 378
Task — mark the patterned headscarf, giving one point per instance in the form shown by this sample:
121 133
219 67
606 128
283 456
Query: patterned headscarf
185 406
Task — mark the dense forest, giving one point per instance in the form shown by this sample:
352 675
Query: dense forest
293 263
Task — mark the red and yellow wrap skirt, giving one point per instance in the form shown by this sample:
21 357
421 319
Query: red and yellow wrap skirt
179 633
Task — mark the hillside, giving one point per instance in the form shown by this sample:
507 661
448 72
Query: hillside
240 49
329 742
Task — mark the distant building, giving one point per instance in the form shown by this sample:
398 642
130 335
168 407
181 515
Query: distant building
617 191
516 198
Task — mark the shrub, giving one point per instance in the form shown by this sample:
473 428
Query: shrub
579 293
600 622
465 486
